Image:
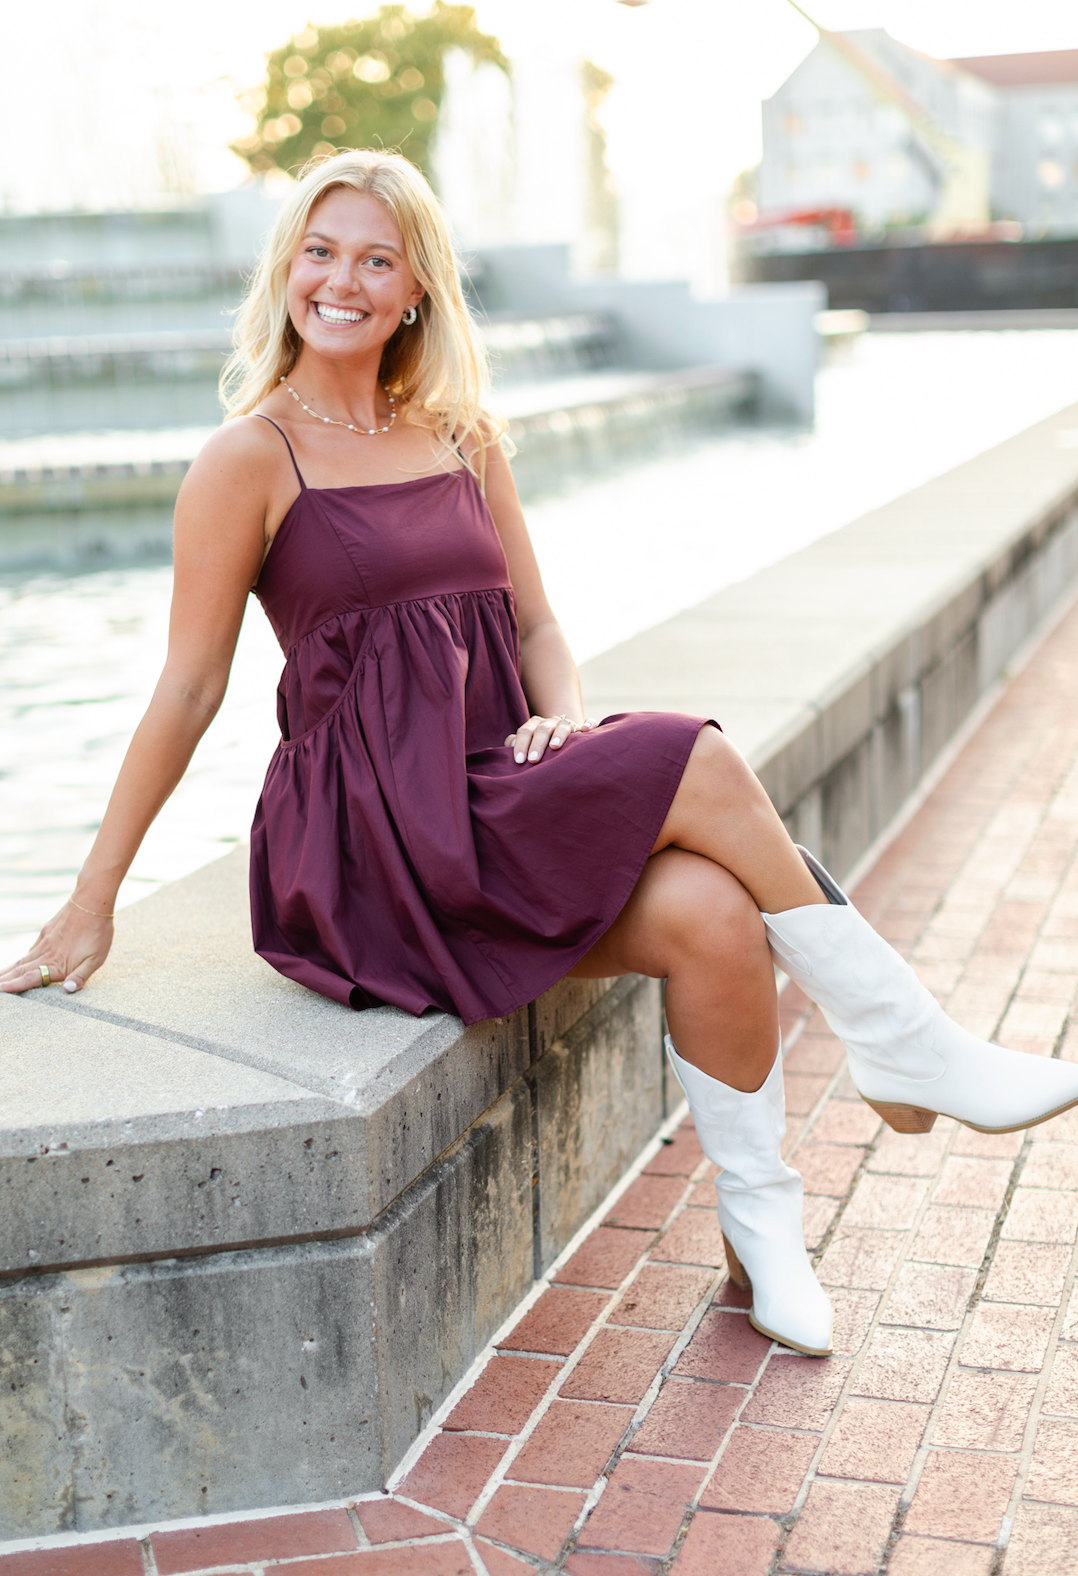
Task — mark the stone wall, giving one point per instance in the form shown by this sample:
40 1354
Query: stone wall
249 1240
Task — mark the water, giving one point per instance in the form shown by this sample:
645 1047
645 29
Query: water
79 655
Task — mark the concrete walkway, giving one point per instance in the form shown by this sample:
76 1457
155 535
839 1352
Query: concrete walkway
633 1422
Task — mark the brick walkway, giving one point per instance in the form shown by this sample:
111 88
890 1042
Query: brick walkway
633 1422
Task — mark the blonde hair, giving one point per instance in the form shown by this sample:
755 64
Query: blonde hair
437 369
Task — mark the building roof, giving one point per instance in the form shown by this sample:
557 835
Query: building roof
1023 71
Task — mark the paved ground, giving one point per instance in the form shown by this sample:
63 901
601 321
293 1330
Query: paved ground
633 1422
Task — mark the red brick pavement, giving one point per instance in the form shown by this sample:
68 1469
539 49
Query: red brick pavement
634 1424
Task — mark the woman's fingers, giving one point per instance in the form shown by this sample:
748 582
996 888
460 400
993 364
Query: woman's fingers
561 731
532 738
76 978
70 948
521 741
26 974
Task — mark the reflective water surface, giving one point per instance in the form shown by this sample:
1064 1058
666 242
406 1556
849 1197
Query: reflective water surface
79 655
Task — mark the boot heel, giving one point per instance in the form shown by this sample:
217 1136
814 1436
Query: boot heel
735 1267
904 1118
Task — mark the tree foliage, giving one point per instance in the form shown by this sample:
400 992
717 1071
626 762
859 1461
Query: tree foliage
373 83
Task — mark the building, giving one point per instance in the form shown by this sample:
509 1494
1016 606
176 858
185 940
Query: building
867 125
1035 147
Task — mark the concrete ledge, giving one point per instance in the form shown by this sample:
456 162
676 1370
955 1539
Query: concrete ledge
249 1239
843 671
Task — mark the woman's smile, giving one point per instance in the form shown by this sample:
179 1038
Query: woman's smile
339 315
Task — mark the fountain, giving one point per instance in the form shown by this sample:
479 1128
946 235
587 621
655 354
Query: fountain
109 366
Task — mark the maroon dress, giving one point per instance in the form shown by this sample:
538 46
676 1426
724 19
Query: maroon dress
399 854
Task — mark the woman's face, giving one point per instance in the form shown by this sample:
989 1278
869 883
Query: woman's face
349 282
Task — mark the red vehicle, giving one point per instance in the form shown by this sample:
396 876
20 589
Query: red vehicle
838 222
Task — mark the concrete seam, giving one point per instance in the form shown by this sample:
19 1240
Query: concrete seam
531 1082
166 1256
52 1000
361 1537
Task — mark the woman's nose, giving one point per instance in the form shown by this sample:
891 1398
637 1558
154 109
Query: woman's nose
345 277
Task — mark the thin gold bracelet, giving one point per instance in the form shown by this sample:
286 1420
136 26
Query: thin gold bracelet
93 914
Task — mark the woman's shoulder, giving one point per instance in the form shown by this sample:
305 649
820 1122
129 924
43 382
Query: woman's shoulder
241 440
244 450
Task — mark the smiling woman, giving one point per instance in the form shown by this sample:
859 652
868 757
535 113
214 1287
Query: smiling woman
337 283
440 824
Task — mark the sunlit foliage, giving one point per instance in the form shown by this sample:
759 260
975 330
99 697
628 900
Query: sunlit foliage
376 83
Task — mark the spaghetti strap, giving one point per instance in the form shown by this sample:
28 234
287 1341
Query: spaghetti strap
287 445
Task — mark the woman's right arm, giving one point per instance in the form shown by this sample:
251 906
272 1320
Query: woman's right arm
219 544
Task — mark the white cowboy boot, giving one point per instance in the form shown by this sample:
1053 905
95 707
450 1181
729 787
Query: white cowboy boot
907 1058
759 1204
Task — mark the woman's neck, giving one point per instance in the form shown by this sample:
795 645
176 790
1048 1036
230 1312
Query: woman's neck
342 391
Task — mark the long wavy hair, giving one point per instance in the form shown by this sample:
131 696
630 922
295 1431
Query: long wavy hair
437 369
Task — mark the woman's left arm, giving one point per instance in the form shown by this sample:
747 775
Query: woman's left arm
547 668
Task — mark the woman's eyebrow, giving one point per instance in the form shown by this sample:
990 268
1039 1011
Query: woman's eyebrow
374 246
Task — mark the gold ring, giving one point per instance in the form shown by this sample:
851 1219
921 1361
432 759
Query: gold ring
46 977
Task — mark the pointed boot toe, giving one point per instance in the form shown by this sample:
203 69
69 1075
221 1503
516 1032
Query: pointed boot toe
788 1303
907 1058
760 1205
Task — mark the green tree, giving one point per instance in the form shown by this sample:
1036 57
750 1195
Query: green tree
374 83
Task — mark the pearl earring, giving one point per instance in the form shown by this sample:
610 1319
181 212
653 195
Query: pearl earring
409 316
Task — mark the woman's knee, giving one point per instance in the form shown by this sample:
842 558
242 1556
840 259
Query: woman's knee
685 912
713 754
704 910
717 783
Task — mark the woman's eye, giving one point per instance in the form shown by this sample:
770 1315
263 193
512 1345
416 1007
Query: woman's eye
319 251
383 262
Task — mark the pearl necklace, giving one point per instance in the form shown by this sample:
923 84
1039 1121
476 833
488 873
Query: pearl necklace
370 432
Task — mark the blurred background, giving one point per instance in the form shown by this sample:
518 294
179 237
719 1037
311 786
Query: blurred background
745 272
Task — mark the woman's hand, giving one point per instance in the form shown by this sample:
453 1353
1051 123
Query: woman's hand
531 739
70 947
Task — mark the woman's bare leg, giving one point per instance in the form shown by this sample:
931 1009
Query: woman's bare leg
720 810
692 923
722 856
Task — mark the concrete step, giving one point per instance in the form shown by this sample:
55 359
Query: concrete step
580 419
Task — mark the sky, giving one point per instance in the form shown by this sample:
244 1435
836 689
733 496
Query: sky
116 101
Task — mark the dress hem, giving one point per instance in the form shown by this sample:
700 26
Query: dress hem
576 953
339 988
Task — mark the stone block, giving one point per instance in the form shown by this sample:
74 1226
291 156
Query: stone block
846 716
895 667
847 809
37 1493
410 1085
788 763
558 1010
897 759
599 1095
272 1376
948 695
